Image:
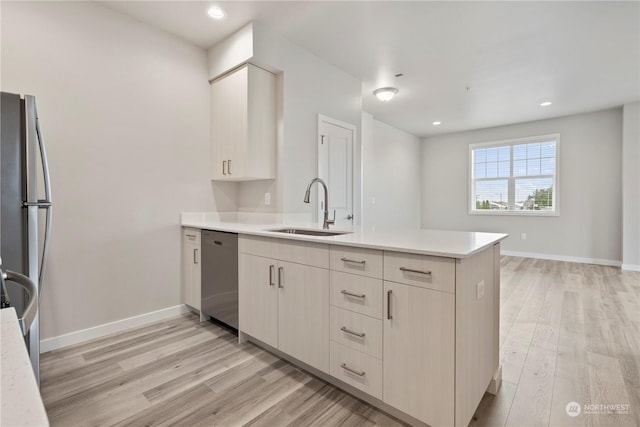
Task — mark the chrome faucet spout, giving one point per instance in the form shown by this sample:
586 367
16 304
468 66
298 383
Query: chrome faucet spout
307 196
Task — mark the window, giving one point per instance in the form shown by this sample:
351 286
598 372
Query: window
515 177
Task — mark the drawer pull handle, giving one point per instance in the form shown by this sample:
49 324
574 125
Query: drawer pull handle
349 294
408 270
389 316
193 236
272 270
195 256
353 371
353 261
357 334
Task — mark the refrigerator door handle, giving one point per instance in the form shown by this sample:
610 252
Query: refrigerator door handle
43 157
46 203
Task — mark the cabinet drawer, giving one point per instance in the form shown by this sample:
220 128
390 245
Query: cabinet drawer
191 235
357 331
366 262
357 369
357 293
299 252
438 273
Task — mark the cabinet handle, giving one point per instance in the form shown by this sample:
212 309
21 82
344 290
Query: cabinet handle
389 316
193 236
353 371
224 163
272 271
280 276
347 293
195 256
408 270
229 167
352 261
357 334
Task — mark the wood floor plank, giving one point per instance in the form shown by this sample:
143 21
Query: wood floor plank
607 387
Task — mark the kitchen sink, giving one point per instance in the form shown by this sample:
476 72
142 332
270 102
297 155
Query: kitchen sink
308 232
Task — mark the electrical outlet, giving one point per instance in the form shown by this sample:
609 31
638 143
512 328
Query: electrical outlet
267 199
523 236
480 289
373 200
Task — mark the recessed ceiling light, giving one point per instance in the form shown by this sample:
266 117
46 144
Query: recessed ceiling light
385 93
215 12
436 123
545 104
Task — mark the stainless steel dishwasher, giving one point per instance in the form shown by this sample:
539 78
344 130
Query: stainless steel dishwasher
220 276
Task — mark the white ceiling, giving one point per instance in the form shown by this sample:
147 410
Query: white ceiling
467 64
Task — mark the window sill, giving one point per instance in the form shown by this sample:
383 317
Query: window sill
496 212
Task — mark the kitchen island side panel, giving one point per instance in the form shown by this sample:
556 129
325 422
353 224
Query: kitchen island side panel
476 342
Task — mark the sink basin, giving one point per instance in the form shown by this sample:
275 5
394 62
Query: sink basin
307 232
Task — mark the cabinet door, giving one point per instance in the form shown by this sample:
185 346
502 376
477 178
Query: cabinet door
418 352
229 125
191 274
304 313
258 297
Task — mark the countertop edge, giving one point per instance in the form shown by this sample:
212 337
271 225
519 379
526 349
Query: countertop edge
247 229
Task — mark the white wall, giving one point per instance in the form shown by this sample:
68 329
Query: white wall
391 175
308 86
124 109
590 223
631 187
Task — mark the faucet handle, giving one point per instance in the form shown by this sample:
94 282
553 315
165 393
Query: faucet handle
332 221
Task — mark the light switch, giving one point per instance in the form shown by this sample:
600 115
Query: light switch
267 199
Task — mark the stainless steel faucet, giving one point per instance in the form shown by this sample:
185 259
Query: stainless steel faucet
307 194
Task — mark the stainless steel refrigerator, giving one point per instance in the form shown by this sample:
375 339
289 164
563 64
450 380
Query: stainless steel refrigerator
25 209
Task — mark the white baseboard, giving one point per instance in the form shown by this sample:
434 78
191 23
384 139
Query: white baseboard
631 267
110 328
609 262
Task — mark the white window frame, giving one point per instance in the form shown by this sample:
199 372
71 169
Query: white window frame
511 179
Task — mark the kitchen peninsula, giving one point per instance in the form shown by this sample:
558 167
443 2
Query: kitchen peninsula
405 319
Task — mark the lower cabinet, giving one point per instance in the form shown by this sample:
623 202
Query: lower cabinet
419 352
286 305
191 279
407 329
258 298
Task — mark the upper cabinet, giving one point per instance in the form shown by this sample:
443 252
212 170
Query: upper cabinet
243 125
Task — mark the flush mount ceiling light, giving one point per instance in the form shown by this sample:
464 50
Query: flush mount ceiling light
545 104
385 94
436 123
215 12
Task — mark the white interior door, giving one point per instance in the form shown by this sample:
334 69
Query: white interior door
335 167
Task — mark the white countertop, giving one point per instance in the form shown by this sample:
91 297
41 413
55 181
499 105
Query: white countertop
452 244
20 401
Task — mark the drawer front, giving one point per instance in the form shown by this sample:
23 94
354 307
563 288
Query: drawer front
438 273
299 252
357 369
357 331
191 235
357 293
366 262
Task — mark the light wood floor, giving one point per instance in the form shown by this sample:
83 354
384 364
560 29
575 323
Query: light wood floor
569 332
